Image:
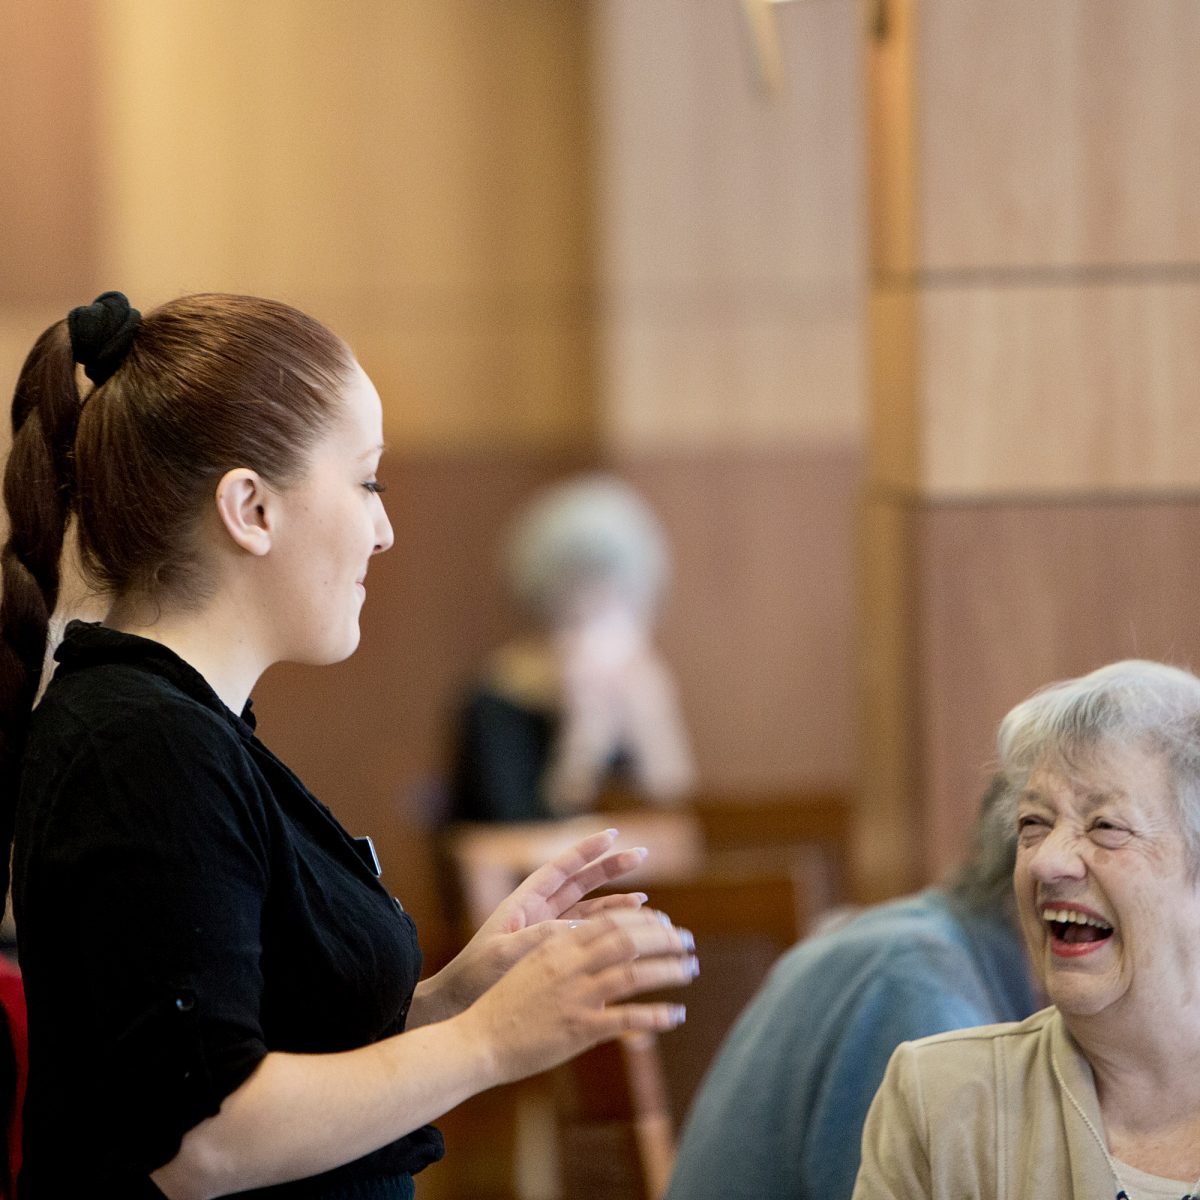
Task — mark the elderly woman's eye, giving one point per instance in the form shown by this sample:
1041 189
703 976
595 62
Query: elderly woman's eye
1108 833
1029 825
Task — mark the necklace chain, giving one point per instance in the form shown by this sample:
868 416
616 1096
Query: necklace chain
1193 1193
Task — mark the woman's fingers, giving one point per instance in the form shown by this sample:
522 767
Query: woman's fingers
552 876
593 907
595 874
626 953
626 979
649 930
571 991
652 1018
582 868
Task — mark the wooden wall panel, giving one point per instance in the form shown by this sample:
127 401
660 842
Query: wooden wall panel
759 623
687 373
1016 594
1035 261
1057 132
730 255
1059 388
414 173
48 149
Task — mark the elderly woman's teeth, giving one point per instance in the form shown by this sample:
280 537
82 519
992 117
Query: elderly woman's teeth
1067 916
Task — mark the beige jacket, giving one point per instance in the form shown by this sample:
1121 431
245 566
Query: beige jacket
977 1114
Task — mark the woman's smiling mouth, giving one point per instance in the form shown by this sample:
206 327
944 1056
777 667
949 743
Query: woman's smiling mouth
1074 931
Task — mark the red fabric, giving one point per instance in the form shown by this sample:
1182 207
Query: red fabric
12 999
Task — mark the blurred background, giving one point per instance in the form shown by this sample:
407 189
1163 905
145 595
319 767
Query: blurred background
888 308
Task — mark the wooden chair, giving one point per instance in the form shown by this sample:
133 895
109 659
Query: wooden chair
809 833
620 1104
742 923
746 874
615 1134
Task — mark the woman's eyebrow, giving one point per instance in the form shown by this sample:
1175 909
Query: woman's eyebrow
1097 799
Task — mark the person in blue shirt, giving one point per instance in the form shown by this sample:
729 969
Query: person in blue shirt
781 1110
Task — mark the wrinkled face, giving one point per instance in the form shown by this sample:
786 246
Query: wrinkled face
1109 911
333 522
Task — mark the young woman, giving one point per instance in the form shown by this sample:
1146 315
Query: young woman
222 996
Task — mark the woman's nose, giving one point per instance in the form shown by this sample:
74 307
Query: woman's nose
1057 856
383 532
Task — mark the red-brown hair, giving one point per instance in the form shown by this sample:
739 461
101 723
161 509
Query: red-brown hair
211 382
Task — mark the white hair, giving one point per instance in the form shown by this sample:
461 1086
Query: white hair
591 529
1145 704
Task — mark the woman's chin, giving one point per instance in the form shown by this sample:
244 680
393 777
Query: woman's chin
1079 995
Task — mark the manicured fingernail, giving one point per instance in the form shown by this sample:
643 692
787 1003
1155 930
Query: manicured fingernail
641 850
694 966
612 832
662 916
678 1014
641 897
689 942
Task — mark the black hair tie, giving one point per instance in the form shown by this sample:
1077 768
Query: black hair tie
101 334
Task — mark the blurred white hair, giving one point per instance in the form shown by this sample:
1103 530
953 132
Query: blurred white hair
591 529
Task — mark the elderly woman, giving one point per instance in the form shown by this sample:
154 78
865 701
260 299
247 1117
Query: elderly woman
1099 1094
581 700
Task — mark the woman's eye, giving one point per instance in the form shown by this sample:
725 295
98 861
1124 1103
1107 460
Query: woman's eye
1030 827
1107 833
375 486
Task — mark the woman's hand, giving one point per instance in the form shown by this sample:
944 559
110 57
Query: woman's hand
540 908
566 995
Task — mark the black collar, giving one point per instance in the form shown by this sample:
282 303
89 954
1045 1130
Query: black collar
88 644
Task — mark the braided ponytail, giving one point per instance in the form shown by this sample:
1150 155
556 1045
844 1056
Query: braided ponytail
37 497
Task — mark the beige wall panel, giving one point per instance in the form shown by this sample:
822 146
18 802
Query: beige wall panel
750 374
333 147
421 164
760 618
1015 595
1057 132
479 379
731 257
1059 389
48 152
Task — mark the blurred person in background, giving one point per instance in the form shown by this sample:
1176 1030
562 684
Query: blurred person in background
780 1112
582 701
222 995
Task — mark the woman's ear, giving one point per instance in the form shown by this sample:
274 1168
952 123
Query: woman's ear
245 506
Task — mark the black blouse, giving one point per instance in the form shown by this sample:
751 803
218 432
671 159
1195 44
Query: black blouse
184 905
502 753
